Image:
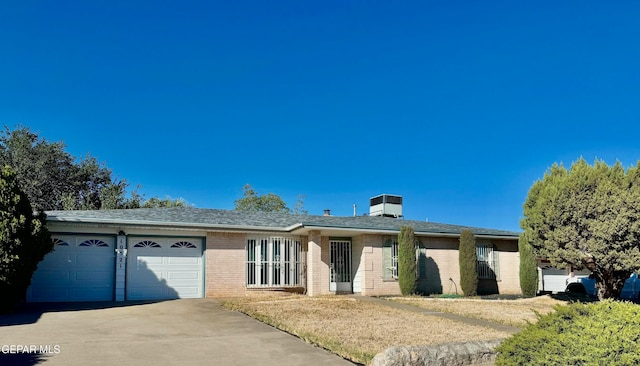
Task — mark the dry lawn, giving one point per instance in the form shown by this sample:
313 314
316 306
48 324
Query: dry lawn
510 312
353 329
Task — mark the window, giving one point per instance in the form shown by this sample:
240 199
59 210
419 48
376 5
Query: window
184 244
488 267
147 244
390 259
60 242
93 243
274 262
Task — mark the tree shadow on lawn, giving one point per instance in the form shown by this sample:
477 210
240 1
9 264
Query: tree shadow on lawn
573 297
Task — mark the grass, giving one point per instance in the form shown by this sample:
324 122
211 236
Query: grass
515 312
356 330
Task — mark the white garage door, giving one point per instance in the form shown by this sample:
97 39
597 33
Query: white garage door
554 279
81 268
164 268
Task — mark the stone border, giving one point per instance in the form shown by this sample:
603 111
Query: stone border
447 354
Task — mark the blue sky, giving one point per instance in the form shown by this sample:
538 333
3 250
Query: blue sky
457 106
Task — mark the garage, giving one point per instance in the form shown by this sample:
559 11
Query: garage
81 268
164 268
554 279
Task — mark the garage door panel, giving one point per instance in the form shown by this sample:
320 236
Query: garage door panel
189 292
145 260
52 276
185 275
146 293
92 293
184 260
51 294
164 268
99 278
92 258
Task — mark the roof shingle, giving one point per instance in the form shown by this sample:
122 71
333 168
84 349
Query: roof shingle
214 218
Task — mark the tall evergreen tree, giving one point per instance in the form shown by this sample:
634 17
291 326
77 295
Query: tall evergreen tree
528 268
24 240
587 217
407 268
468 260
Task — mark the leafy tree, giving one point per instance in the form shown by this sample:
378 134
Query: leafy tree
298 208
54 180
528 268
51 177
251 201
44 170
24 240
588 217
468 260
407 269
166 202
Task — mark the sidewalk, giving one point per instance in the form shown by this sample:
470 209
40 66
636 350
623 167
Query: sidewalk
454 317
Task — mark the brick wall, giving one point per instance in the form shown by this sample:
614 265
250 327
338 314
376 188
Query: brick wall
442 266
374 284
358 263
509 266
314 272
225 268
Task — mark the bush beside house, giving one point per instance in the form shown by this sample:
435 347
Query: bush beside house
24 241
528 268
407 268
604 333
468 259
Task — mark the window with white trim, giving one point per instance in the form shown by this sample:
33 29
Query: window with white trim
488 267
274 262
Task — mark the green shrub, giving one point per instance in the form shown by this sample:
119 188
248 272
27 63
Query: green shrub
24 241
604 333
468 259
407 268
528 268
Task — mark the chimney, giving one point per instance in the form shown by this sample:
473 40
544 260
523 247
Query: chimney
327 212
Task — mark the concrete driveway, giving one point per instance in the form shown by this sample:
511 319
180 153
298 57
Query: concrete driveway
177 332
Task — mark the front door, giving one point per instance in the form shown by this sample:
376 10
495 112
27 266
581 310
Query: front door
340 266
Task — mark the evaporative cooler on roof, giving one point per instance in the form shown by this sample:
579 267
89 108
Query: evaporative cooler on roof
385 205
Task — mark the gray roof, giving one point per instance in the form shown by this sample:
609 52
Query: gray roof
192 217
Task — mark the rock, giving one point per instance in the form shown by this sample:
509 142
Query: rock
448 354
